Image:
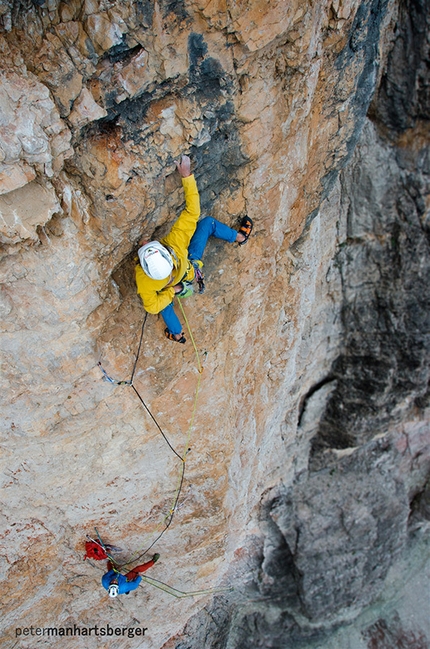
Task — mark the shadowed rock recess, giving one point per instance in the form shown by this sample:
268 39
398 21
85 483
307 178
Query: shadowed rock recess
307 481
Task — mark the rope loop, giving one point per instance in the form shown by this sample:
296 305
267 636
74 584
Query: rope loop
182 457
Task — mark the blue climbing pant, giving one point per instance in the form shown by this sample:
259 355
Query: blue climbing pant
171 319
207 227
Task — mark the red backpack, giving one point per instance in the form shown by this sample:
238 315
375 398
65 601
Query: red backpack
94 551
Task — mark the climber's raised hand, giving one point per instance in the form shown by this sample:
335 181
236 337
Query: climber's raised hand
184 166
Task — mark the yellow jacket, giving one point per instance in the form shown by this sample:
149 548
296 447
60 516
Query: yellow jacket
156 294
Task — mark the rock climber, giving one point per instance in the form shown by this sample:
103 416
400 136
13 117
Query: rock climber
118 584
169 266
114 582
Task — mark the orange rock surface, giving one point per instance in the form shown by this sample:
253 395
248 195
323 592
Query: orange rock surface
268 100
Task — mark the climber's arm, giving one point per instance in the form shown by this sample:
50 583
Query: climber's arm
184 228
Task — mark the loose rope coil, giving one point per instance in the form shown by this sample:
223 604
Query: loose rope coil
168 518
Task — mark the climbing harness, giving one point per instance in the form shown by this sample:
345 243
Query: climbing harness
187 289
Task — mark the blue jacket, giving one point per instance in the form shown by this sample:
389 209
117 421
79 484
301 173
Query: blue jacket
124 586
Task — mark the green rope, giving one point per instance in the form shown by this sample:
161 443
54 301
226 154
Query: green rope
179 593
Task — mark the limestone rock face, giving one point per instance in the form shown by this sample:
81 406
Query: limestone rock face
33 137
307 454
24 210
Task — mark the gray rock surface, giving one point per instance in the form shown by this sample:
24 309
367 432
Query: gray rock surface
347 528
333 537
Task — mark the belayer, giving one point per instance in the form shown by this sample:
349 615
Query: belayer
168 267
118 584
115 582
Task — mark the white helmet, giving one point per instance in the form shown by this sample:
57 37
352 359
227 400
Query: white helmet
155 260
113 590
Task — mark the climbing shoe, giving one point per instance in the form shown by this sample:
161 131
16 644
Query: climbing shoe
245 228
170 336
198 265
